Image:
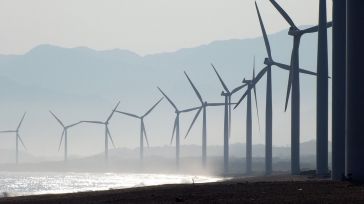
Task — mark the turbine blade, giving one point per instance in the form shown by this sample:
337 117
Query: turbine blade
74 124
256 106
287 67
145 134
21 121
315 28
260 75
254 68
283 13
255 95
288 89
221 81
60 142
303 71
7 131
21 141
112 112
88 121
169 100
229 101
59 121
109 135
283 66
238 88
193 121
242 98
215 104
190 109
266 41
194 88
174 129
128 114
150 110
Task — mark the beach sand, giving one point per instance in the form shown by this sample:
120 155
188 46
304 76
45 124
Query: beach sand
271 189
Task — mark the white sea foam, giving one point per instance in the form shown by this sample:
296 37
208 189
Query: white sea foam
30 183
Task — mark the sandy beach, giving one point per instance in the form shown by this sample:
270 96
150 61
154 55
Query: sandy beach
272 189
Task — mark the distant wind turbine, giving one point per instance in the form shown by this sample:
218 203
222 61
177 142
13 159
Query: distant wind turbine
17 138
249 125
143 132
202 108
107 131
64 134
176 128
227 116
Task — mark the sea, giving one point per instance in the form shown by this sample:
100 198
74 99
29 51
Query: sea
33 183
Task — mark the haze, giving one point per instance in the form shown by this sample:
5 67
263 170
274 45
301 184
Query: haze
142 26
82 89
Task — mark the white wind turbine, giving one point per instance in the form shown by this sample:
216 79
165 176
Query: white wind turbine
17 138
107 131
143 132
64 134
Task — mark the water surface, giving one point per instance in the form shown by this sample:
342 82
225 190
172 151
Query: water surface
30 183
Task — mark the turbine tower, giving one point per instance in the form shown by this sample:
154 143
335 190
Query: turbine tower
64 134
107 131
322 121
338 88
176 128
204 105
294 84
143 132
17 139
227 116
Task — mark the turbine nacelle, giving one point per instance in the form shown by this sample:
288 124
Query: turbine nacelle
225 93
294 31
245 81
268 62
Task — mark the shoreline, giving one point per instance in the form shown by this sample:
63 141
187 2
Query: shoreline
262 189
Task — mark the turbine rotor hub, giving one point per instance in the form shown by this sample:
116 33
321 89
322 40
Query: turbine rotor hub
268 62
294 31
225 93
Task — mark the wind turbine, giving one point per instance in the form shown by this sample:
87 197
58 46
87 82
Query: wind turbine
176 129
202 108
64 134
294 84
269 111
107 131
227 94
143 132
249 125
17 138
227 115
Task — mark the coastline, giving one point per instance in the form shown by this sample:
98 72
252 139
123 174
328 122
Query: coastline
261 189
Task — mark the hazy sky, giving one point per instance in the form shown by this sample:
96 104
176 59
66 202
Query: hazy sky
143 26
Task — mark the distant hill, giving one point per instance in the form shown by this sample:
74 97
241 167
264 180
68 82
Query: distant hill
83 71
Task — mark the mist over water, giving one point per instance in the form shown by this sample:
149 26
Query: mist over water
30 183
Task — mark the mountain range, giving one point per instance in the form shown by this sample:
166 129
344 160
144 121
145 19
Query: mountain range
82 83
